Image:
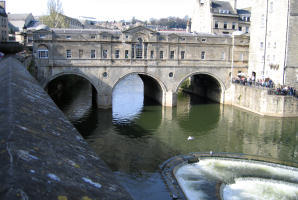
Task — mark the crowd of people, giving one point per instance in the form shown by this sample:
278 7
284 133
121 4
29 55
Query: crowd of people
273 89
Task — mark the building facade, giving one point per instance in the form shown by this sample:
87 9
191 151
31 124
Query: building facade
274 41
139 43
219 17
162 58
3 22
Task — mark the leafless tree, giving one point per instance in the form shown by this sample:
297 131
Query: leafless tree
55 17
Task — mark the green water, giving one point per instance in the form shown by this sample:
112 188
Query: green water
136 135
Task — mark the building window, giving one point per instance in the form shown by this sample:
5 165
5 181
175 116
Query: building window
132 51
68 37
161 54
68 53
126 54
182 55
271 7
139 49
104 53
92 54
145 50
204 40
223 55
241 57
81 53
42 36
233 25
172 54
240 28
203 55
246 29
261 45
92 36
216 25
151 54
117 52
225 25
43 54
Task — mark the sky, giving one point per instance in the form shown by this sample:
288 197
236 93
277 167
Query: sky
104 10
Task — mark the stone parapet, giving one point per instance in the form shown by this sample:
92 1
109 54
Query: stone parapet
258 100
42 155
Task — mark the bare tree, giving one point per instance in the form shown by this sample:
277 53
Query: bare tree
55 17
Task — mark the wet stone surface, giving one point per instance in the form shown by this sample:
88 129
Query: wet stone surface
42 156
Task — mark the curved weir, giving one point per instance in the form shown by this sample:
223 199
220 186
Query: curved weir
256 188
211 177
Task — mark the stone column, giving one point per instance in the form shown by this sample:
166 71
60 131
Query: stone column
170 99
104 101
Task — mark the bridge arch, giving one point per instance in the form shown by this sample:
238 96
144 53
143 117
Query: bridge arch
153 86
215 91
94 88
82 75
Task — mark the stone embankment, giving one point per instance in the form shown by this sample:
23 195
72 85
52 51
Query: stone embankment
258 100
42 156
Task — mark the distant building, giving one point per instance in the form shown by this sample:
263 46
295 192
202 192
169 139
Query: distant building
19 22
219 17
3 22
274 41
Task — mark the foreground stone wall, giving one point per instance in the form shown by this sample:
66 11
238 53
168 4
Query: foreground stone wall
257 100
42 156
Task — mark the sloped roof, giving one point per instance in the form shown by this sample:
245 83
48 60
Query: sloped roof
222 5
2 12
245 11
87 31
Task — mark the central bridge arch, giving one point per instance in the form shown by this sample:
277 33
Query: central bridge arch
154 88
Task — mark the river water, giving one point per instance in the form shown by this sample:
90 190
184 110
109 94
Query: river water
137 135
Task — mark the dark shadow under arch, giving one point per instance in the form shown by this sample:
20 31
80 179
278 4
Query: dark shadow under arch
59 86
203 85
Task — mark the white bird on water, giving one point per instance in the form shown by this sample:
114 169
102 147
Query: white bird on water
190 138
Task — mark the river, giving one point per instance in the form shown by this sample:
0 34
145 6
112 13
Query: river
137 135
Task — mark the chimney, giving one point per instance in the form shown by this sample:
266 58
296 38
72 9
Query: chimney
3 4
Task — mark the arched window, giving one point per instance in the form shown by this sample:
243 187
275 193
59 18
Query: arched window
43 52
139 48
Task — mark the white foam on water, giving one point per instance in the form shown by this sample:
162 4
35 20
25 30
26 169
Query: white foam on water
255 189
191 177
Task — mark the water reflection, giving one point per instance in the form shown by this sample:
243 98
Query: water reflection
134 137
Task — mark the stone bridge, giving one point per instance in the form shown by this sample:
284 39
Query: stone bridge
162 59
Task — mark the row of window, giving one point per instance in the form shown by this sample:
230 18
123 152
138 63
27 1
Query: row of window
44 54
225 26
268 45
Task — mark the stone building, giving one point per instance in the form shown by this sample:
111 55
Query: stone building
138 43
219 17
163 59
274 41
3 22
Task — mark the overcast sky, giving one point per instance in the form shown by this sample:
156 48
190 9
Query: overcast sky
110 9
